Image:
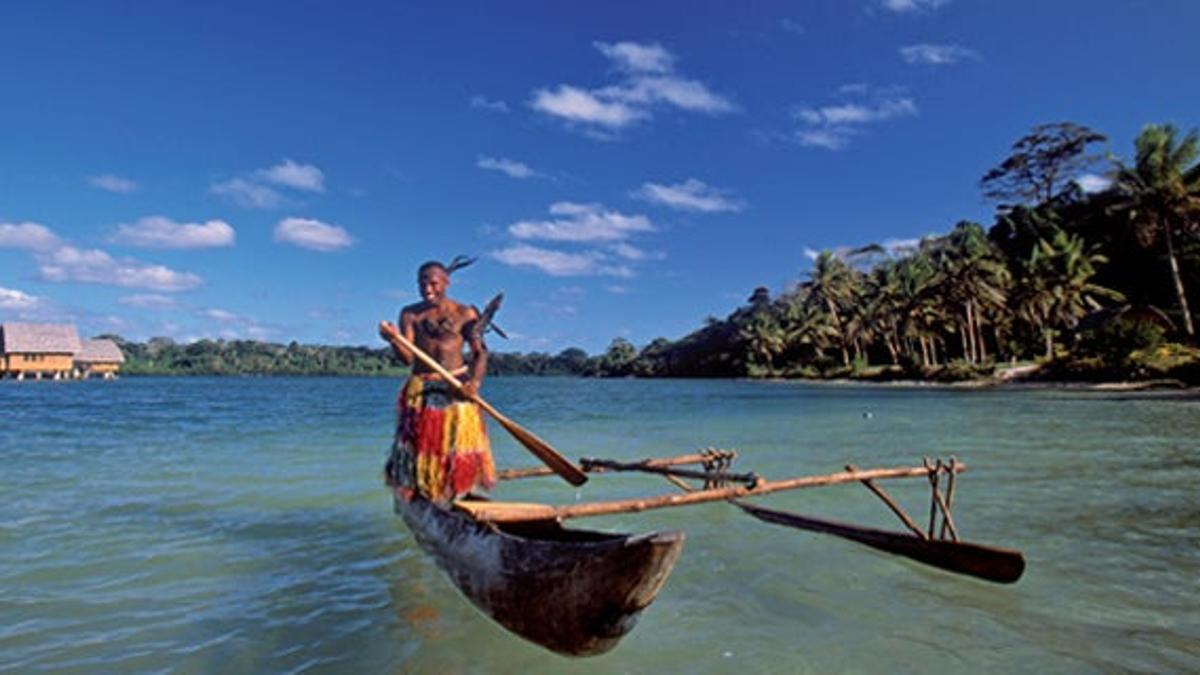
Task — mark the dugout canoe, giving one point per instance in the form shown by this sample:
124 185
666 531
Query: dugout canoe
574 592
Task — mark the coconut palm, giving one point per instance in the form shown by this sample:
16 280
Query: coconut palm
831 287
1161 196
1055 291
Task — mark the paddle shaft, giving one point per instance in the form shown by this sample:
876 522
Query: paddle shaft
541 449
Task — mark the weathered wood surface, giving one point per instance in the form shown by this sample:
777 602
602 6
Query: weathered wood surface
531 472
508 512
985 562
575 592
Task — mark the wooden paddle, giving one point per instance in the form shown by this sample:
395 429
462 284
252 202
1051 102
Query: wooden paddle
541 449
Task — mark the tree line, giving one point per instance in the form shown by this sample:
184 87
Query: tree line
1090 283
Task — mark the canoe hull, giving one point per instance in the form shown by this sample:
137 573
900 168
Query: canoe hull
574 592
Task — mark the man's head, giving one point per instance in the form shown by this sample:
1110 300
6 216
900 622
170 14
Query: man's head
432 281
433 277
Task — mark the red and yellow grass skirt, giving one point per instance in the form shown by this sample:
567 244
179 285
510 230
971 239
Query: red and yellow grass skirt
441 447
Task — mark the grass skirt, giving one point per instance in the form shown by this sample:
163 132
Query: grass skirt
441 448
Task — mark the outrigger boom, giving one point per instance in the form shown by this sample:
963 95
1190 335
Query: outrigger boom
511 512
939 546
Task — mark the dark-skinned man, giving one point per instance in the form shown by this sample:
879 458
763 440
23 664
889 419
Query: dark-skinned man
441 448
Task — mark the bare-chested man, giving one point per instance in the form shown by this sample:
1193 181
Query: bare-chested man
441 448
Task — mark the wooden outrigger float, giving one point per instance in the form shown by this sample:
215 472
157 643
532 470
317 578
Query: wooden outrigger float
577 592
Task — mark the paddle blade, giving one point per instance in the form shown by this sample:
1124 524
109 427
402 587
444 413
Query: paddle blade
542 450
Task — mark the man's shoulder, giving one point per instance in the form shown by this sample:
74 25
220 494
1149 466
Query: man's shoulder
414 308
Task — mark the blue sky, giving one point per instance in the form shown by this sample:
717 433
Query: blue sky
278 171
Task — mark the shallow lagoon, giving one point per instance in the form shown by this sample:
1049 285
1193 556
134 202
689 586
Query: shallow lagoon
239 524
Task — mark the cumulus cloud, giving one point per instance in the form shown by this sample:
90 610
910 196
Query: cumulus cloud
291 174
1090 182
581 223
312 234
937 55
506 166
10 298
29 236
149 301
690 195
559 263
67 264
647 80
483 103
636 58
253 190
909 6
248 193
162 232
833 125
113 183
577 105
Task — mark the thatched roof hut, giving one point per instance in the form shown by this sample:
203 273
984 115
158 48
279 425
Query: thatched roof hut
39 338
99 351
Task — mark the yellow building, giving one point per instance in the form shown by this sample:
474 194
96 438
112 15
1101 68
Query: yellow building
101 358
38 350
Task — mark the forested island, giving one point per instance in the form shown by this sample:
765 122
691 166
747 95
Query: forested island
1078 284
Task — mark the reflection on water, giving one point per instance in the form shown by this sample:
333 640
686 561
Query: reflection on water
240 525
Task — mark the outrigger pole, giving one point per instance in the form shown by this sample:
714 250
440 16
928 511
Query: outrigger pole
984 562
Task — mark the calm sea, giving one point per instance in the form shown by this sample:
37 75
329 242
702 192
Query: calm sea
239 525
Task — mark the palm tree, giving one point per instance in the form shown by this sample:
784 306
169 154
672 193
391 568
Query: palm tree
1161 196
831 287
972 281
1055 290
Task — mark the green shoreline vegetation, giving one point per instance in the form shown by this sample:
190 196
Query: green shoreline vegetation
1066 285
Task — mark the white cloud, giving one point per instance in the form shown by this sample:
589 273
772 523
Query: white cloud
647 80
559 263
937 55
690 195
13 299
833 125
162 232
576 105
581 223
904 6
630 252
483 103
830 139
507 166
30 236
312 234
248 193
1090 182
686 94
68 263
113 183
297 176
220 315
149 301
637 58
811 253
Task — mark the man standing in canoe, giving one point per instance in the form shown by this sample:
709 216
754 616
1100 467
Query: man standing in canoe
441 448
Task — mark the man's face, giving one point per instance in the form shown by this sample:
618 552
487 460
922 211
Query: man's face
432 284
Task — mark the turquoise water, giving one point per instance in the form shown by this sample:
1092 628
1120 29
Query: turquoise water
239 525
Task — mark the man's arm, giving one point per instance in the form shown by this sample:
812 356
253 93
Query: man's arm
479 354
407 329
